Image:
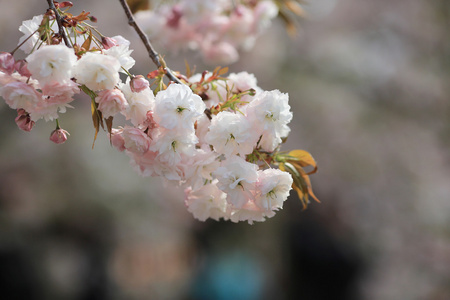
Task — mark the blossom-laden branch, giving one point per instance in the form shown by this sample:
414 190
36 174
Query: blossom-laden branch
156 58
217 136
59 22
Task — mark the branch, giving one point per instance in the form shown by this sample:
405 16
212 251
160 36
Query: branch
58 20
157 60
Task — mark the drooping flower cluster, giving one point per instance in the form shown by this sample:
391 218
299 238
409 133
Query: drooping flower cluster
43 85
217 137
218 29
214 158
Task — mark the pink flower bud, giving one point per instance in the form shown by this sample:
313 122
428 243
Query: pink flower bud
108 42
59 136
64 4
23 120
21 67
138 84
7 62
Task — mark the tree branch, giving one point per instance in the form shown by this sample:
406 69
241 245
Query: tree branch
62 33
157 60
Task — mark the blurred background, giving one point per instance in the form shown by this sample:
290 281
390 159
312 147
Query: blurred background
369 88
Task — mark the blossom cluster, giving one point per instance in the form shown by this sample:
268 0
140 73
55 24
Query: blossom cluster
213 158
217 137
43 85
217 29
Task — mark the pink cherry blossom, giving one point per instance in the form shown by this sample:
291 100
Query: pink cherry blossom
56 99
136 140
7 62
111 102
145 163
219 53
250 213
150 123
206 202
20 95
117 140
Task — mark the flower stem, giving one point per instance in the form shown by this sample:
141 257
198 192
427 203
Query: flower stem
60 26
156 58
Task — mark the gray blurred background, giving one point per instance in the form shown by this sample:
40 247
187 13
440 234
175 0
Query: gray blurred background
369 87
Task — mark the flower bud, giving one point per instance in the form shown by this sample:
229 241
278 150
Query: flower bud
23 120
59 136
108 42
64 4
7 62
138 84
22 68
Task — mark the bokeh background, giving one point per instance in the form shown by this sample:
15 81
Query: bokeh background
369 87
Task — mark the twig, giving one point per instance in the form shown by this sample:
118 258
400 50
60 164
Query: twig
151 52
60 26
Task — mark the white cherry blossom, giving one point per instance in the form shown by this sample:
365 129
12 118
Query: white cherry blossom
171 144
269 113
51 64
229 134
123 55
138 103
177 106
97 71
206 202
28 28
237 178
272 188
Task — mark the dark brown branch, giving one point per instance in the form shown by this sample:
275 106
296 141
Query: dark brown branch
157 60
62 33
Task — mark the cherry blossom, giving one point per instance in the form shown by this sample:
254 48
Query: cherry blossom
206 202
111 102
272 188
97 71
229 134
177 106
237 178
51 64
